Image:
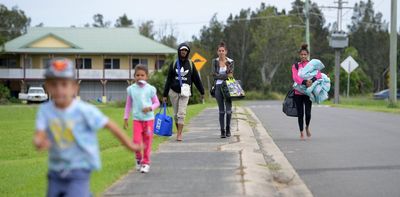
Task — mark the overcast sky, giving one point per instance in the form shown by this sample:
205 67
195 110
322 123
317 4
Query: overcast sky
187 16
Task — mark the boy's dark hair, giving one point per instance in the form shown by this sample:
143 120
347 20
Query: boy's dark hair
142 67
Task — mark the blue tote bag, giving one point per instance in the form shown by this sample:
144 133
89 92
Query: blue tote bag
163 123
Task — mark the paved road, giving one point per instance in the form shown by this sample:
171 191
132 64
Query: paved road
352 153
195 167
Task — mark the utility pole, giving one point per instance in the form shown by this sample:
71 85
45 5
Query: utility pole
337 76
307 16
393 54
338 41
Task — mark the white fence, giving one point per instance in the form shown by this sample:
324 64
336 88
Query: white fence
11 73
116 74
90 74
34 73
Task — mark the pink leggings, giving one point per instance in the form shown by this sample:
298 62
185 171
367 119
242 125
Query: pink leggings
143 133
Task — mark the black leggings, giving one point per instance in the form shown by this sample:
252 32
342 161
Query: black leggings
303 101
224 107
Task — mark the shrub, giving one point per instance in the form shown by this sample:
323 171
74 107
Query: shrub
360 83
4 94
157 79
14 100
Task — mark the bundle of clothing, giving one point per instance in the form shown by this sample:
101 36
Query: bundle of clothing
318 91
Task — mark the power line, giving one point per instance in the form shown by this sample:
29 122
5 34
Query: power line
339 8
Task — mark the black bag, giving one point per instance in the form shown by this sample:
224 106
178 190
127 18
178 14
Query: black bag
289 105
212 91
232 89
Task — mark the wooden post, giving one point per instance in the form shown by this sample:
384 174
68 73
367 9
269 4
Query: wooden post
22 86
104 97
103 83
104 71
337 76
157 63
78 61
130 67
24 66
78 96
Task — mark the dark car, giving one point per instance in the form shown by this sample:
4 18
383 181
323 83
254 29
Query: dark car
384 94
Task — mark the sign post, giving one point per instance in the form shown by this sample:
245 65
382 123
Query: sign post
349 65
348 82
199 62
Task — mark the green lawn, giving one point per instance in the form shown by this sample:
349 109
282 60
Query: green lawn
23 170
365 103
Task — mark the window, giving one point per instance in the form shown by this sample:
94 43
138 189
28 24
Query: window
160 64
3 63
35 91
12 63
83 63
144 62
111 63
8 63
139 61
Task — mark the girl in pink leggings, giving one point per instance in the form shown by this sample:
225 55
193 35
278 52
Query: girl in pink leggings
141 101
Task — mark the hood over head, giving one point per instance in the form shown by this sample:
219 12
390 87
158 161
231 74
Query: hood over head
184 46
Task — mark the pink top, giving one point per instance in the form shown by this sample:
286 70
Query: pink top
128 105
298 79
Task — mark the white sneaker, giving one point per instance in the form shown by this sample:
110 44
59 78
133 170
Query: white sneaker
145 168
138 165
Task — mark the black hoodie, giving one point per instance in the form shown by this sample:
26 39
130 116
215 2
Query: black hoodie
189 75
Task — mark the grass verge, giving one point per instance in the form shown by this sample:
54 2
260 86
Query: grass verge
366 103
23 170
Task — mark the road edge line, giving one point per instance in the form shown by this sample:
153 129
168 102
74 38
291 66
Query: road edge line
295 186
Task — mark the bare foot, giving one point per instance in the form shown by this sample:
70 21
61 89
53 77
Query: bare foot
308 131
179 138
301 135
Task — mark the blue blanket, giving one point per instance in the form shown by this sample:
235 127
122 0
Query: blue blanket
318 91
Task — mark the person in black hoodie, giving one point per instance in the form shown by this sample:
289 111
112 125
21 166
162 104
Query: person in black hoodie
181 75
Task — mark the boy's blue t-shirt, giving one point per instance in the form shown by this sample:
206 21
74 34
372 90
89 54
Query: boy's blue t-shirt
141 98
73 135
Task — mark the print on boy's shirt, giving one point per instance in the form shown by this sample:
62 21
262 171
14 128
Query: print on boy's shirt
62 132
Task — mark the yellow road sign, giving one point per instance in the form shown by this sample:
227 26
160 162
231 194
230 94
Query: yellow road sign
198 61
